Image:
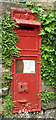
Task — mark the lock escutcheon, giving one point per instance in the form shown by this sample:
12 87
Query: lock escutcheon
23 87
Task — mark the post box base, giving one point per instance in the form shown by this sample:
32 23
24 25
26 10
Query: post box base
26 109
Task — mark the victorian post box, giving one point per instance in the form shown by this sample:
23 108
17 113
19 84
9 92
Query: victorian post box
26 82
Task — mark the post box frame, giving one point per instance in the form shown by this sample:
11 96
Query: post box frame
28 55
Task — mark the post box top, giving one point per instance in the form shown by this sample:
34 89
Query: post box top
21 9
24 16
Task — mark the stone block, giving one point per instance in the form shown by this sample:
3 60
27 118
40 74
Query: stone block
47 5
40 114
22 0
7 6
50 113
0 92
0 68
55 5
50 105
55 114
1 8
5 91
0 105
44 87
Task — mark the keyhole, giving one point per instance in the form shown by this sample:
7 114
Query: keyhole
21 86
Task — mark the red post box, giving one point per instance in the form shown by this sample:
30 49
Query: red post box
26 82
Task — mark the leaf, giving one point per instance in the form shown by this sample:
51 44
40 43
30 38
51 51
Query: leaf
33 11
42 32
48 29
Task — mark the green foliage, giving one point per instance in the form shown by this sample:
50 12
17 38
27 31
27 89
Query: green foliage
46 97
48 62
6 79
9 41
48 23
8 104
9 48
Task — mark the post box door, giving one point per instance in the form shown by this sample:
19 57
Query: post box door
26 83
28 38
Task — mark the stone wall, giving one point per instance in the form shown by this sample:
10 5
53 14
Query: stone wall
50 109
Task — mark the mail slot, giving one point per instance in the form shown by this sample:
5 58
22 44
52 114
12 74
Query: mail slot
26 82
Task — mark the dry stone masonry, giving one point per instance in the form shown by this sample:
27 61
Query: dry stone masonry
50 110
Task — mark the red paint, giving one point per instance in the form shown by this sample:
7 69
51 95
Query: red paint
26 86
